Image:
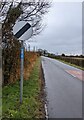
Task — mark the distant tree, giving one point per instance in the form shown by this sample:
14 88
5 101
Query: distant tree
45 52
81 56
40 51
63 55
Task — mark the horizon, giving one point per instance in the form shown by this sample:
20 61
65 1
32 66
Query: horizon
63 30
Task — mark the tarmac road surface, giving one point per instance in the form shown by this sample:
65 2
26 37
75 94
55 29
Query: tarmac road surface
63 85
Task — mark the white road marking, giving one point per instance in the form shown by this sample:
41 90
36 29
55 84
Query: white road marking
46 111
71 74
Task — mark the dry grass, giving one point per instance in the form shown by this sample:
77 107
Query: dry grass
29 61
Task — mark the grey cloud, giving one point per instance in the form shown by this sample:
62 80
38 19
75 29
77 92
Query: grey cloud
63 32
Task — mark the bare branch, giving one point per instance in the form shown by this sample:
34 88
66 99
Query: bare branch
23 11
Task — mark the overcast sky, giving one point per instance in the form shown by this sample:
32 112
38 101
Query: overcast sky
63 31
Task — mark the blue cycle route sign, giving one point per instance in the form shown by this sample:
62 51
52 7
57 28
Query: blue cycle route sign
22 53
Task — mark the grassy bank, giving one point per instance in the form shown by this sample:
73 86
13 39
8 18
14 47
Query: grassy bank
79 67
31 106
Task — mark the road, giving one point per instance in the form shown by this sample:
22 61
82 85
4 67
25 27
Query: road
63 88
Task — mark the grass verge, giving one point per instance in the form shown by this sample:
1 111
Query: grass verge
32 104
79 67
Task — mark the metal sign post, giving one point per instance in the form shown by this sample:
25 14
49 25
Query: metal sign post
22 31
21 71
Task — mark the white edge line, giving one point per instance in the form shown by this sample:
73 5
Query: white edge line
71 74
46 111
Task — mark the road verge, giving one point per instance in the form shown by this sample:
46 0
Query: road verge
33 97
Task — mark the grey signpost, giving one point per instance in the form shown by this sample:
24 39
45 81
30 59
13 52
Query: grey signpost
22 69
22 31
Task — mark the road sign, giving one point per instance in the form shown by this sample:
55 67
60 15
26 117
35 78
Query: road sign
22 53
22 31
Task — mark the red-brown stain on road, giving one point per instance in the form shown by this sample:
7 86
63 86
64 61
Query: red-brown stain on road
79 74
